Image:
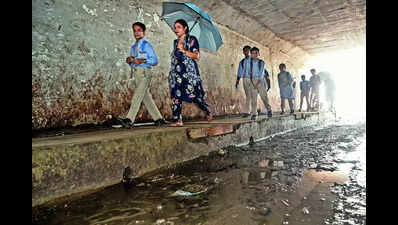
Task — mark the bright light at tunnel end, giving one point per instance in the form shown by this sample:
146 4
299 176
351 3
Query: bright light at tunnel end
348 70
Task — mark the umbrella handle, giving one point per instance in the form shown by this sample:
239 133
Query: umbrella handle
196 21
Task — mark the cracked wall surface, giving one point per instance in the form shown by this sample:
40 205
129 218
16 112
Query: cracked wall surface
79 74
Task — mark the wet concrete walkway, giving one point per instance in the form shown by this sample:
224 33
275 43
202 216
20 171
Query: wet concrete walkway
193 129
84 162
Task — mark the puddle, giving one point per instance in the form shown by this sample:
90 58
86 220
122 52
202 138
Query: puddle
269 182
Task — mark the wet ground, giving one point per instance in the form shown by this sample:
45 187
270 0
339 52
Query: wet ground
304 177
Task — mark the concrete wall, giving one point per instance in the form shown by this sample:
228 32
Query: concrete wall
79 74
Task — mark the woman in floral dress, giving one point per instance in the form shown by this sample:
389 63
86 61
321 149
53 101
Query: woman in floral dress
184 78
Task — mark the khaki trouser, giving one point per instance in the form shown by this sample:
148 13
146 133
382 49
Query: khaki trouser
262 91
314 99
251 96
306 95
143 77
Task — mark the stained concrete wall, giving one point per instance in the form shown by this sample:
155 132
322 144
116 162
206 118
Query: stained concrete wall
79 74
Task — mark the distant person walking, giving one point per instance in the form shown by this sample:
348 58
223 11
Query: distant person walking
184 78
285 81
243 73
315 81
142 58
305 88
330 89
257 68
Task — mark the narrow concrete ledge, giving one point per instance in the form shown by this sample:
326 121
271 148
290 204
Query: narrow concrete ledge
73 164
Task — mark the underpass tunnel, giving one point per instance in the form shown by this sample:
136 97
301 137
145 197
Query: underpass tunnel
80 77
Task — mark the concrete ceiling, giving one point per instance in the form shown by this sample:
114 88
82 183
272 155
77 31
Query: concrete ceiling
316 26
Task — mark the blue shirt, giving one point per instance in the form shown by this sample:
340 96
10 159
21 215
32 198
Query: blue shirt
243 71
285 81
258 71
305 86
146 51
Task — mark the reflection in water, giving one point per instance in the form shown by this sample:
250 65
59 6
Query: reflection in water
269 182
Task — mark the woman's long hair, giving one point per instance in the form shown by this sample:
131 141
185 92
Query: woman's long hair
184 24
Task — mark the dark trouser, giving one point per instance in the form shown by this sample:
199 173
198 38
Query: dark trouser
177 107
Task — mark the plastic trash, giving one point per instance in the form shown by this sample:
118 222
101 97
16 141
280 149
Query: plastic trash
306 211
186 193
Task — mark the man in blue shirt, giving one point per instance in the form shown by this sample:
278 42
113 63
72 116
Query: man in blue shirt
315 81
243 73
305 88
142 58
285 81
257 67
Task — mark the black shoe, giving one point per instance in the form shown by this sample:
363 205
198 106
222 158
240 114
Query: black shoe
254 117
291 111
269 114
299 110
245 115
282 112
160 122
126 123
258 111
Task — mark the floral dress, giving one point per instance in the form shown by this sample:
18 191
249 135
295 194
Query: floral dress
185 83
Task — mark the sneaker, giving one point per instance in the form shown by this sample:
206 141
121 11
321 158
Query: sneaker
269 114
254 117
160 122
177 124
245 115
126 123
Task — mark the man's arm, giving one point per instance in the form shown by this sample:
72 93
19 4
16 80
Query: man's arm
239 75
290 78
130 58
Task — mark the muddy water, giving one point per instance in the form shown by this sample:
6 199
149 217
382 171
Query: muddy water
307 176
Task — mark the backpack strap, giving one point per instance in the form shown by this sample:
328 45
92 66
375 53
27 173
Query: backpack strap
241 63
251 68
259 64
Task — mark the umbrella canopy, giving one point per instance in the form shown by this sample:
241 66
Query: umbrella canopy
199 23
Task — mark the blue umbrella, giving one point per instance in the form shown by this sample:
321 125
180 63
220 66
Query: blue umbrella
199 23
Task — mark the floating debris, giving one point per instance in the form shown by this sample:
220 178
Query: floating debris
160 221
263 163
285 203
190 190
250 208
306 211
264 211
221 152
